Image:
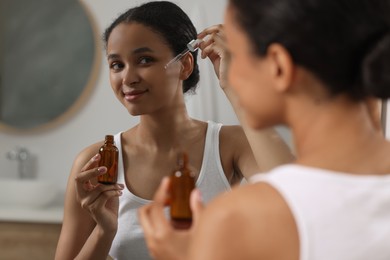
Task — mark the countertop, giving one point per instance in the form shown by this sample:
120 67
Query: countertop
31 201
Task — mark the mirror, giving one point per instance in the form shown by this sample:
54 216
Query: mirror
49 55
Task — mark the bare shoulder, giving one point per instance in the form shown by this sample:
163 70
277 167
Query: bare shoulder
79 162
236 150
232 133
251 222
85 155
233 140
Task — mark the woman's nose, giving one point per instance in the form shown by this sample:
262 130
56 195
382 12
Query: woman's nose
130 76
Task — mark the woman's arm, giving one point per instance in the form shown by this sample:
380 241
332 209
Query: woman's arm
269 149
251 222
88 226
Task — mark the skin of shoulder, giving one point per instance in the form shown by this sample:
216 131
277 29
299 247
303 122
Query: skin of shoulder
258 217
77 223
234 144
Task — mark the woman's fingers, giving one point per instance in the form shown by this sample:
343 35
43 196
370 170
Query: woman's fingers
214 47
104 209
210 30
163 241
100 193
89 171
89 194
145 220
162 194
157 228
87 175
101 200
196 205
152 216
212 43
92 163
212 34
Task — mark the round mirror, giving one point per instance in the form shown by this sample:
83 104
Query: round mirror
49 55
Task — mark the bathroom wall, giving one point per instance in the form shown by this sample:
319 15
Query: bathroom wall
55 149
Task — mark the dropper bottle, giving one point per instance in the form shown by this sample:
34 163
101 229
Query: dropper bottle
109 158
182 183
191 47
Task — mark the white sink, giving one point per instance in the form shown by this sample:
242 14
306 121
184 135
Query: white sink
23 193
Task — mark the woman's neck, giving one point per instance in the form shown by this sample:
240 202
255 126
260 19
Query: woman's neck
164 128
337 134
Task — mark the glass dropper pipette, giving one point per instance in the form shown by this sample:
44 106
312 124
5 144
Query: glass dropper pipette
191 47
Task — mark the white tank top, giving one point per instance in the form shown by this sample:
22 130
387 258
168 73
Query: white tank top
129 241
339 216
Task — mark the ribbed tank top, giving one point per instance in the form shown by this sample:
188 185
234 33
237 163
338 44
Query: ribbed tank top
339 216
129 241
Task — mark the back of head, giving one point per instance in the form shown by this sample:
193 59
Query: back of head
346 44
171 23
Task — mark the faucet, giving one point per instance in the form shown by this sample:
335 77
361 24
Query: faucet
21 155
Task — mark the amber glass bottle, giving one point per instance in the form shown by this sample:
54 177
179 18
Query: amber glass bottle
182 183
109 158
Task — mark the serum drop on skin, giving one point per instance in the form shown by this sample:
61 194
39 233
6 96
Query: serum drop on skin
109 158
182 182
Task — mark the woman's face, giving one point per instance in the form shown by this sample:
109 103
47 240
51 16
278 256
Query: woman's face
250 76
136 58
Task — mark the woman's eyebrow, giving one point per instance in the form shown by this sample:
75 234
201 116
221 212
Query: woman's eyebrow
142 50
114 56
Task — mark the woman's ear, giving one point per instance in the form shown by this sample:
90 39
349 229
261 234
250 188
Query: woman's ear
187 66
374 107
282 66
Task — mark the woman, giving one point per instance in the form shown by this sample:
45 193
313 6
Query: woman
311 65
139 43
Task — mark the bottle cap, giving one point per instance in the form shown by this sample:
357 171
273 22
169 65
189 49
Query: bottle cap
194 44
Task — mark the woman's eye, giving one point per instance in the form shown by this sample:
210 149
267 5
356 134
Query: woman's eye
146 60
116 66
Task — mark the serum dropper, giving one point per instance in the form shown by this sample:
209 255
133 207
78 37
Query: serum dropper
191 47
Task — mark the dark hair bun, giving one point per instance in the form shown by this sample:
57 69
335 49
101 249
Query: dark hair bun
376 69
173 25
349 53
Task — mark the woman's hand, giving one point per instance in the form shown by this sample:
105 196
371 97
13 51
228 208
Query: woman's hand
214 47
101 201
165 242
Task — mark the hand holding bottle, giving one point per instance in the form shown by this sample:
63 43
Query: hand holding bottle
101 201
163 240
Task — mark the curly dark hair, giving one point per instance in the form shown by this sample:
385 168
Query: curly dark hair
171 23
346 44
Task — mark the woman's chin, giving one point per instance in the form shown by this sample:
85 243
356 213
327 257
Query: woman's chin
134 112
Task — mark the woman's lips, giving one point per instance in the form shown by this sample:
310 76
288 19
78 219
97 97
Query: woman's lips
133 95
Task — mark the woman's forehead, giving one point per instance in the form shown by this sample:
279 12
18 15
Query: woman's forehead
135 34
